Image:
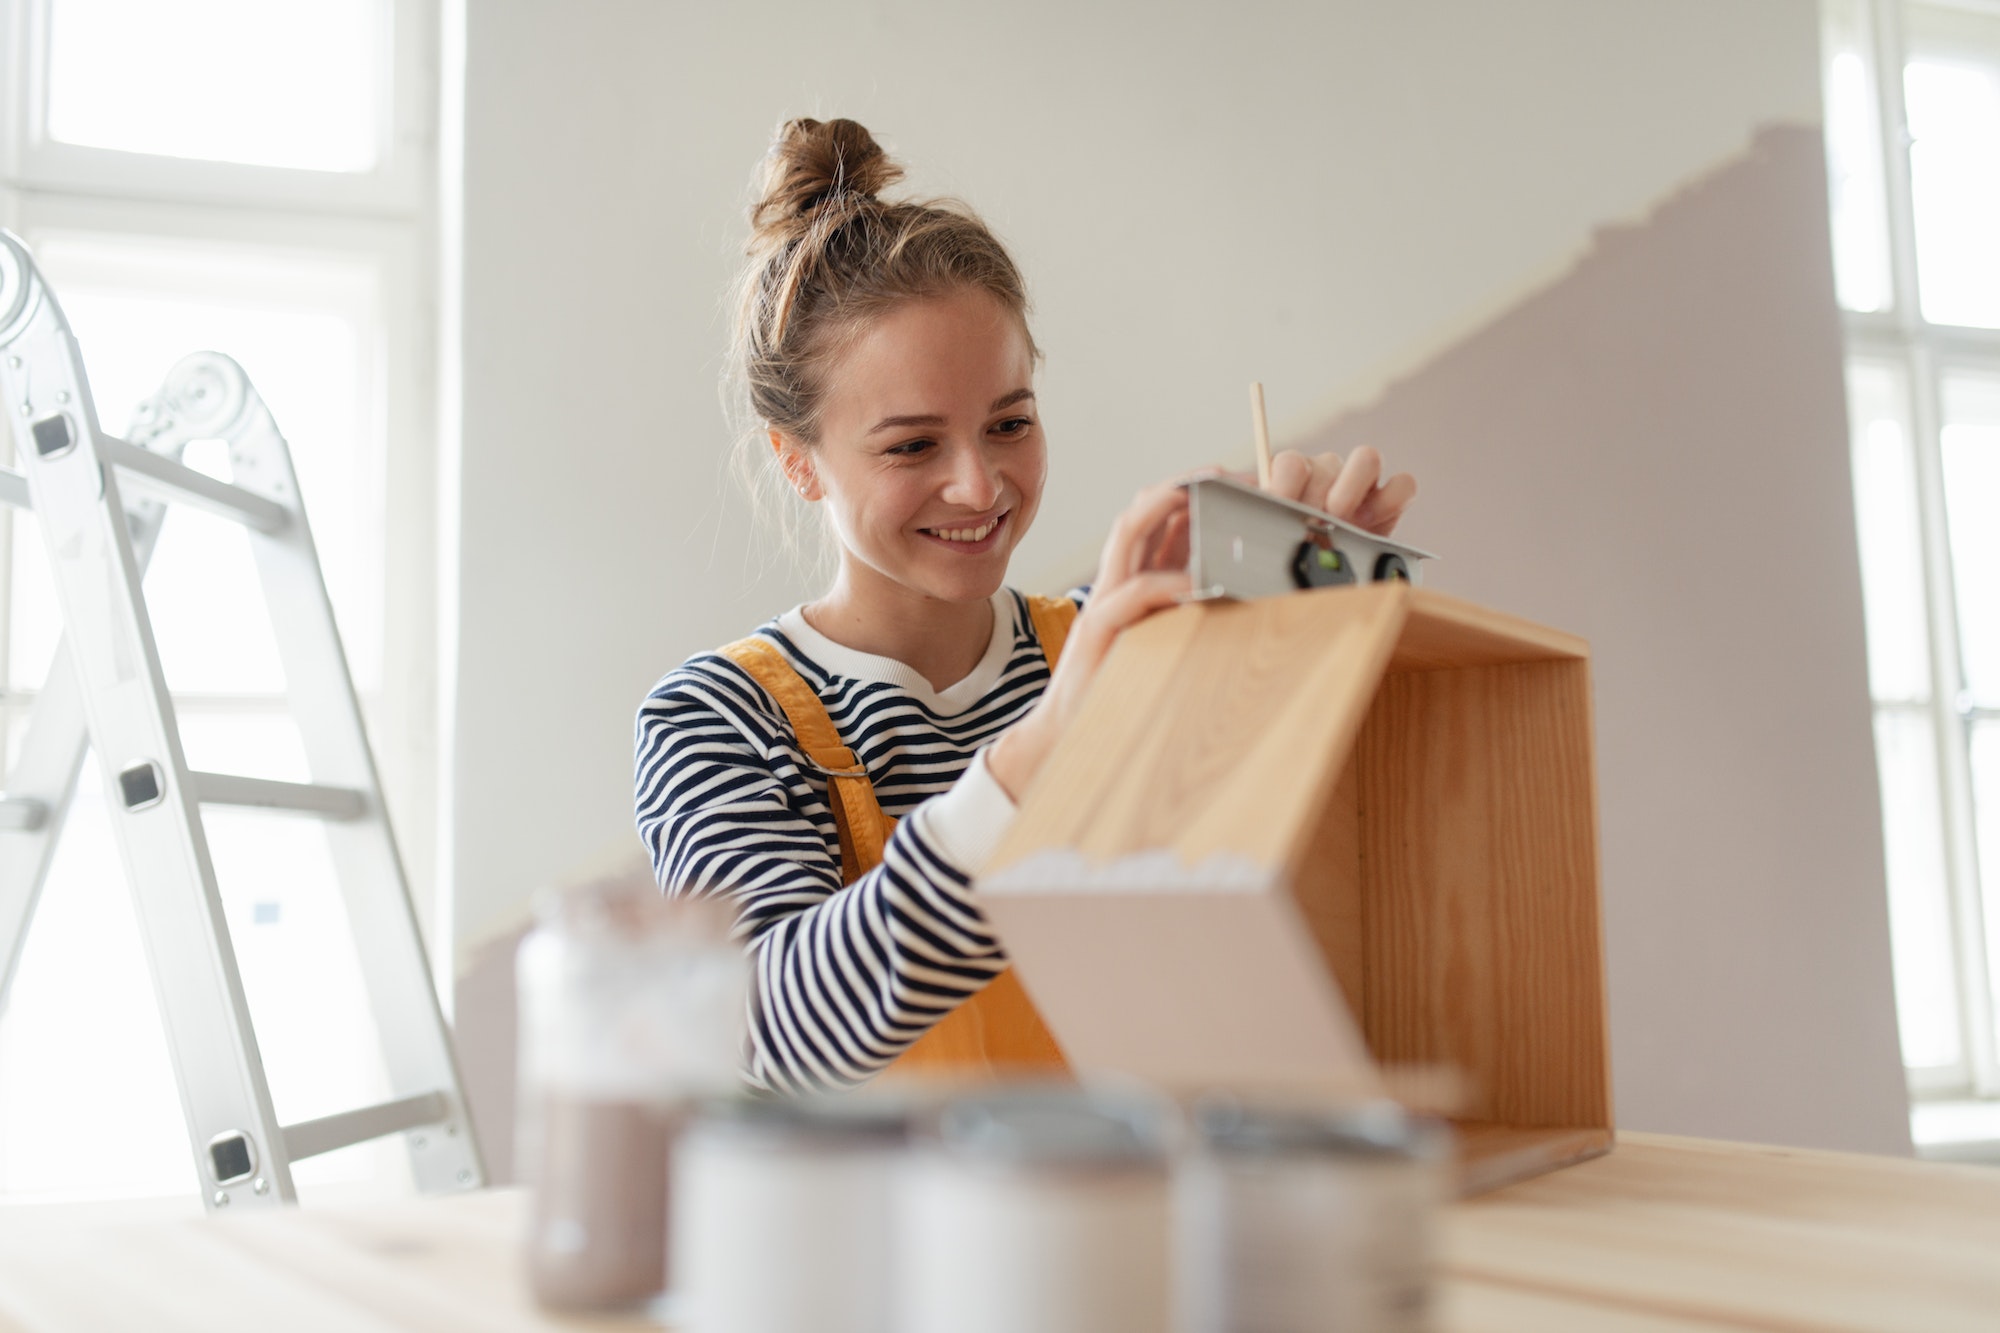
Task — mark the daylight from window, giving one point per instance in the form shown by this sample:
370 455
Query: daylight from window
220 659
1916 242
277 85
139 92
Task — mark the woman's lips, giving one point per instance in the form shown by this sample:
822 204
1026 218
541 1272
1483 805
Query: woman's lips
970 540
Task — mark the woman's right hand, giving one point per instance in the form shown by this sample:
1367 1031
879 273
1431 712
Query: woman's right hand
1143 570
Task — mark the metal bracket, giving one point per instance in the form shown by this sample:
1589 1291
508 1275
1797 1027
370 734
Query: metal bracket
1244 542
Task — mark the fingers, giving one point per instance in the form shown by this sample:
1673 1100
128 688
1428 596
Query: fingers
1356 492
1325 471
1110 613
1384 506
1137 532
1291 473
1169 547
1354 484
1135 599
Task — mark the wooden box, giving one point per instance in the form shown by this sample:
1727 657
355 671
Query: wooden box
1296 842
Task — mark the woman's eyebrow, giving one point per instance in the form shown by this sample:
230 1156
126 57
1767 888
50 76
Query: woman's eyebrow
898 423
932 419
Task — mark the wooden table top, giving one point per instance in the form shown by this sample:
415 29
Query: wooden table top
1663 1234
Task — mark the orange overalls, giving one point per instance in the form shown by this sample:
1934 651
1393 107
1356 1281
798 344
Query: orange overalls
997 1030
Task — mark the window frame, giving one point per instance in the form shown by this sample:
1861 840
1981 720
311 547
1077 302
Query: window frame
1927 353
400 184
387 219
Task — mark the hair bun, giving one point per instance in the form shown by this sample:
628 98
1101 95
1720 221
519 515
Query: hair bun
811 163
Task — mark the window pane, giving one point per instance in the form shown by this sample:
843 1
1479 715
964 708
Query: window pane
1854 160
258 743
1971 443
1952 89
34 623
1986 821
13 732
1920 923
111 1125
296 955
1885 505
108 1125
207 607
281 85
305 328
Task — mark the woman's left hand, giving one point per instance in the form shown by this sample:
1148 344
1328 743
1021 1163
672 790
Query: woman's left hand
1353 492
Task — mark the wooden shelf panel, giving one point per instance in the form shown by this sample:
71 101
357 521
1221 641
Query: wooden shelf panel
1492 1155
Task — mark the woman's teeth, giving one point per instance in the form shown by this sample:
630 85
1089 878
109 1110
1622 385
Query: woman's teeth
978 534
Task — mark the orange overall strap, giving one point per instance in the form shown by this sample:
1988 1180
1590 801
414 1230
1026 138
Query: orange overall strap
997 1030
1052 617
856 814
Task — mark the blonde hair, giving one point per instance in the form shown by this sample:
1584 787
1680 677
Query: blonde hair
827 256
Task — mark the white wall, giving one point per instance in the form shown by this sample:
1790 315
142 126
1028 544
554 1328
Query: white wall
1313 195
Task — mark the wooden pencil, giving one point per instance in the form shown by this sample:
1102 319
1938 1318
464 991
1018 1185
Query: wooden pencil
1262 427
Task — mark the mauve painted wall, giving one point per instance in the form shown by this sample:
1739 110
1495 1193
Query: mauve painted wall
1652 452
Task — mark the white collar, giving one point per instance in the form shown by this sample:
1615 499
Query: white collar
840 660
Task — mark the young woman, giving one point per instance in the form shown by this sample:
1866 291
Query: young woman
841 774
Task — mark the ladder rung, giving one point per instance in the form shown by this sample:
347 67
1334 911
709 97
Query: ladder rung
310 1138
13 489
161 474
22 814
306 798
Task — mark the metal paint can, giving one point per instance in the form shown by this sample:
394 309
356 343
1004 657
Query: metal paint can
1310 1220
1040 1210
784 1216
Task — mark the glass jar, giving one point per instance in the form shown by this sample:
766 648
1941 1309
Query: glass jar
632 1007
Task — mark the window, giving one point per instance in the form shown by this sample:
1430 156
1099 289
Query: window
1913 147
257 179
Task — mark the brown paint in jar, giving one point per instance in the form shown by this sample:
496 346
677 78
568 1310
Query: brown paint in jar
632 1007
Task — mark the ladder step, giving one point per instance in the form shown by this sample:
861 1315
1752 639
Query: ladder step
22 814
305 798
310 1138
14 489
163 476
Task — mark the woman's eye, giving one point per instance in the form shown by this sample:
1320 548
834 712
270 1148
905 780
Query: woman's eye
1014 425
910 448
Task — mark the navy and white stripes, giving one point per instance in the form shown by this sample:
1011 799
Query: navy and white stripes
729 806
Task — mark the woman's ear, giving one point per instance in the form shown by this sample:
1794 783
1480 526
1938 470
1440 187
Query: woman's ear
796 464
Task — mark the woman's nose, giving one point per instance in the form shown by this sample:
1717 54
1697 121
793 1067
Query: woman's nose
974 482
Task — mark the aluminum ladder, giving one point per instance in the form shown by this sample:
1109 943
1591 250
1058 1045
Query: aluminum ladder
101 502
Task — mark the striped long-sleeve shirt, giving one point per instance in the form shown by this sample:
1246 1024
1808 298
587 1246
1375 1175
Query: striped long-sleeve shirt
728 805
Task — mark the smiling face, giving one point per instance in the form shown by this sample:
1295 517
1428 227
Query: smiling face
931 457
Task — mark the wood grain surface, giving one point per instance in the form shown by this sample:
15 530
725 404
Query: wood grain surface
1414 772
1697 1234
1479 871
1666 1235
1219 726
1448 631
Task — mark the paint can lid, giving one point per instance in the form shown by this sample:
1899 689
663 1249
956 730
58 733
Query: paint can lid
813 1123
1382 1129
1057 1127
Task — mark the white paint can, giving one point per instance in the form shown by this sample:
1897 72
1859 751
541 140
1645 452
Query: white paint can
1310 1220
783 1217
1039 1211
